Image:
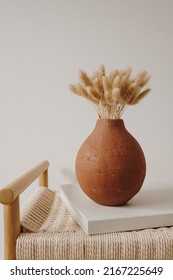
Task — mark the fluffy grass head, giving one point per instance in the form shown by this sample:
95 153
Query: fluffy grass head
111 94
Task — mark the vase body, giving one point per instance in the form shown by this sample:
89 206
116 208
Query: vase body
110 164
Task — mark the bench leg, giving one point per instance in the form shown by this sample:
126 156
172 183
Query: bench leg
11 228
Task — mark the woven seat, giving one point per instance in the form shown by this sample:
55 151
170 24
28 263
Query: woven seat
50 232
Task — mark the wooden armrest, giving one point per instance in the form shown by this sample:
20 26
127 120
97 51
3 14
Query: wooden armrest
9 196
10 192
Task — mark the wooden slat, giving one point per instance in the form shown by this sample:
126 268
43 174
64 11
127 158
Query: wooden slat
9 193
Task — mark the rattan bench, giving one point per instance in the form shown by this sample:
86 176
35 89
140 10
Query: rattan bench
44 229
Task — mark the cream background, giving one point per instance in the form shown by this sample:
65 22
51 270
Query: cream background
43 43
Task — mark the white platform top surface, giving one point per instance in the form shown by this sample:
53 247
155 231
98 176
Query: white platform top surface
152 199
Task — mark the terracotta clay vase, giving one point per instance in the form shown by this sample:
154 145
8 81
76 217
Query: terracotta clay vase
110 165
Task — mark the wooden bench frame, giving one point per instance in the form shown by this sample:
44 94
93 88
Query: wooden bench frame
10 197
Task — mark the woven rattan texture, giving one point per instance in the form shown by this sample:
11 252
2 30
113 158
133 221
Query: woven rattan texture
50 232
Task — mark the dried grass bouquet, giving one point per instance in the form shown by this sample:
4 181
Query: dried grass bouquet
111 94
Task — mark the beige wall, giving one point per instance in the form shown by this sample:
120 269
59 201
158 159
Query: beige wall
42 46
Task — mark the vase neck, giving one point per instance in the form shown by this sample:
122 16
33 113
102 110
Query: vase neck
110 123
